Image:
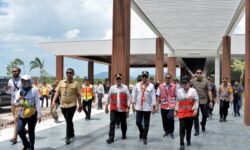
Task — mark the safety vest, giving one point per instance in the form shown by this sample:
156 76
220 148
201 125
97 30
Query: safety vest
167 96
87 92
185 109
123 101
45 90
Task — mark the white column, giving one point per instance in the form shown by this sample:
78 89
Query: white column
217 69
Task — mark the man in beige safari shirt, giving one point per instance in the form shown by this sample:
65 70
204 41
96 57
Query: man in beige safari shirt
70 92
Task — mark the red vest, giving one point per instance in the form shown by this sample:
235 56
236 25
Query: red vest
167 96
123 101
185 108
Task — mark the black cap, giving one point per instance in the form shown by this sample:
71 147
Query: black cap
145 73
118 76
86 78
185 78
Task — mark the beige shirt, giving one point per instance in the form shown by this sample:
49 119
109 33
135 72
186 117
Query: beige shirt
68 93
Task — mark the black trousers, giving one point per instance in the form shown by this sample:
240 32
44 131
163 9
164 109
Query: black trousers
68 114
186 125
99 96
139 116
114 115
204 110
211 109
47 100
224 105
168 120
86 106
236 103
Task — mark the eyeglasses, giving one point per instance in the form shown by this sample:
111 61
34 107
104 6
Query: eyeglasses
198 72
69 72
184 82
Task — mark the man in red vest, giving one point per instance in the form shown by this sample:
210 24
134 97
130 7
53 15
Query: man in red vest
119 101
166 97
187 103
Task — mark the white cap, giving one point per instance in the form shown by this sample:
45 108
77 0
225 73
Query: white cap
26 77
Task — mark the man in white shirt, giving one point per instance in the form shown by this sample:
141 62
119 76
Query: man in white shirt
143 101
14 85
119 100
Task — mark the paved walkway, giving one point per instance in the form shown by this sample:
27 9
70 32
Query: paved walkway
90 135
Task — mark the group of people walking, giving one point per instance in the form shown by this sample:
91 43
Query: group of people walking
183 101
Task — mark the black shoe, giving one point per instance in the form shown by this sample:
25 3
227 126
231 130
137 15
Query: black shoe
166 134
67 140
109 141
145 142
225 120
203 128
172 135
124 137
13 141
196 133
220 120
25 148
188 143
182 147
239 114
140 137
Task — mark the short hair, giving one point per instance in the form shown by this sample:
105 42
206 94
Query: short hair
168 74
18 69
199 69
70 69
225 78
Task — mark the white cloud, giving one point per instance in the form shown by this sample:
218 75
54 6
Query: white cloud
72 34
108 34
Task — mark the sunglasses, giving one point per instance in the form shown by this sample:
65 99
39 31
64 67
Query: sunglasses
198 72
184 82
69 72
145 76
168 78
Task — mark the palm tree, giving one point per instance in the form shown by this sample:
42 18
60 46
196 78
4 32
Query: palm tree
37 63
16 62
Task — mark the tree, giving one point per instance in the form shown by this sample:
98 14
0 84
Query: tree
37 63
239 66
15 63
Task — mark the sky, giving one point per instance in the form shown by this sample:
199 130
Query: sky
25 24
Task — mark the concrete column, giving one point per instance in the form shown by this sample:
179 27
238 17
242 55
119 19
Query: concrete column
59 67
217 70
109 73
159 60
226 57
247 65
121 39
91 71
172 66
